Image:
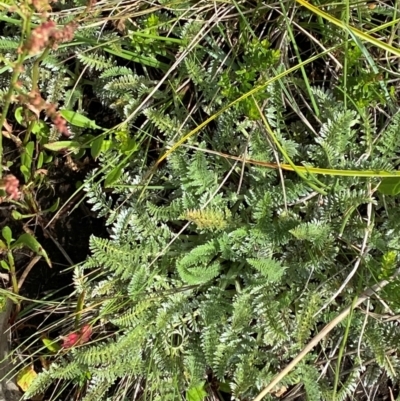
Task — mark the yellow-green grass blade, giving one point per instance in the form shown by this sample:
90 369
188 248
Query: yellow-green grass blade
356 32
312 170
239 99
285 154
265 84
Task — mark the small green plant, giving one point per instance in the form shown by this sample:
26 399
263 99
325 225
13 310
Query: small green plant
249 198
254 69
8 245
216 273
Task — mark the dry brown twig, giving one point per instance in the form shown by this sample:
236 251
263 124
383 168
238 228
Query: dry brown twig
28 268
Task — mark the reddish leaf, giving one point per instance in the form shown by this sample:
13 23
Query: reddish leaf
79 338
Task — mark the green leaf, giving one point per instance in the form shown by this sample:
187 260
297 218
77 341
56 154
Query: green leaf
8 294
196 393
41 129
25 377
79 120
18 116
28 152
390 186
96 147
26 172
130 146
31 242
106 145
26 160
51 345
113 176
17 215
3 303
63 145
85 139
54 207
224 387
7 234
39 163
4 265
80 153
270 268
47 158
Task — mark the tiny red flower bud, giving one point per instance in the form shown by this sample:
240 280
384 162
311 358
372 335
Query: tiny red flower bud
75 338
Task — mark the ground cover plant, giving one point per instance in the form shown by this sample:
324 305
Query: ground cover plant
243 157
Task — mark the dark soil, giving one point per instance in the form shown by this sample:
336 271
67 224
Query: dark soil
65 239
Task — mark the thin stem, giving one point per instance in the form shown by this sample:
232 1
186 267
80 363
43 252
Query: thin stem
14 78
13 273
35 84
341 352
346 53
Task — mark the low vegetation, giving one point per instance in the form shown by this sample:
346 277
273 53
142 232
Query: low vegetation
242 158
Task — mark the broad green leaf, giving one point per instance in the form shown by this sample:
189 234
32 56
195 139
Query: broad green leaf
196 393
113 176
106 145
63 145
79 120
39 163
130 146
28 151
51 345
7 234
3 245
47 158
31 242
26 160
96 147
26 172
390 186
17 215
41 129
4 265
224 386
